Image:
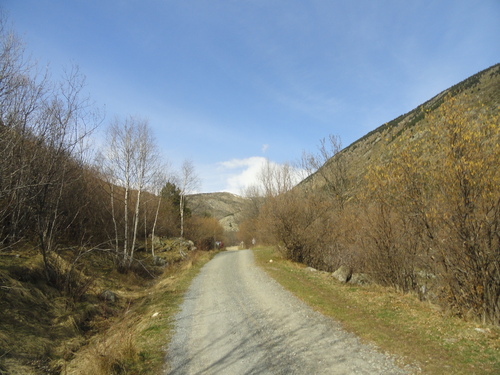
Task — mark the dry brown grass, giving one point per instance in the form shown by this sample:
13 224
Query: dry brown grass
112 353
49 330
135 342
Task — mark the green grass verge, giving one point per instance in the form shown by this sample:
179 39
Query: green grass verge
417 332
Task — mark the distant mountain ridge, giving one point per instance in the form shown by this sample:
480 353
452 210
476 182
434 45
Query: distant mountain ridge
225 207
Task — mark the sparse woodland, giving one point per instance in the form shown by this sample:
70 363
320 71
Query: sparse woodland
56 190
423 217
67 208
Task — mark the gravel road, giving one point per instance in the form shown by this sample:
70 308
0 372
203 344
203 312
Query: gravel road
237 320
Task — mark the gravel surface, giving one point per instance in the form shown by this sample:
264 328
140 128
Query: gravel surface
237 320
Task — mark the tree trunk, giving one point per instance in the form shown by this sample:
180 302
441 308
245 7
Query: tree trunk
114 218
136 223
154 227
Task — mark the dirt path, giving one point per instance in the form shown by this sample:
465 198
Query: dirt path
237 320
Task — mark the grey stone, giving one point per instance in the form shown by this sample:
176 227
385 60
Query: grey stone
159 261
108 295
343 274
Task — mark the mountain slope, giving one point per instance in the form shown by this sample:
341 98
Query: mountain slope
482 88
225 207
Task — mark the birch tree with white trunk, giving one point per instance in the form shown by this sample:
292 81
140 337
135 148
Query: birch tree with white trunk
132 162
158 183
189 182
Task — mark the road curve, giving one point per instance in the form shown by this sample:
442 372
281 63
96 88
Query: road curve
237 320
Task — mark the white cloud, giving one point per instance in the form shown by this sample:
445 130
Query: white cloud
241 173
264 148
235 175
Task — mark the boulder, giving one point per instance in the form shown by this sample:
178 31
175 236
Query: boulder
182 243
156 241
159 261
108 296
343 274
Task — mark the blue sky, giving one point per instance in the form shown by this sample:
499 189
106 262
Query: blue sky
227 83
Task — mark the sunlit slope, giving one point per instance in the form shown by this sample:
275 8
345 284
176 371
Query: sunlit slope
481 89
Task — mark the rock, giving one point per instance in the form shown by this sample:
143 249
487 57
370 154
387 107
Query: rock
108 296
164 248
177 243
156 241
360 279
310 269
159 261
343 274
482 330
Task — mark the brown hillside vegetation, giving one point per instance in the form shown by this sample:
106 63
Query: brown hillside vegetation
414 205
228 209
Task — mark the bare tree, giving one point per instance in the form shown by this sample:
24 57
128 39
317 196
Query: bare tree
132 162
248 227
146 168
43 127
66 120
287 215
158 183
330 165
277 179
118 164
189 182
22 96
